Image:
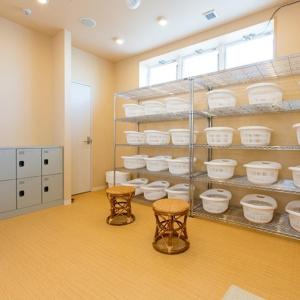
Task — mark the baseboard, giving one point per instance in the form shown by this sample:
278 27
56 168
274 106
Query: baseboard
98 188
67 201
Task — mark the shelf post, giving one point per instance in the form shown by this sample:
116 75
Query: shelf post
115 137
191 146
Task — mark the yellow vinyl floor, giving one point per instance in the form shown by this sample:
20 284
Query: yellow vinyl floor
69 252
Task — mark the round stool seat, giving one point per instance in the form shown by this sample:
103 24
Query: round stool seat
171 206
120 190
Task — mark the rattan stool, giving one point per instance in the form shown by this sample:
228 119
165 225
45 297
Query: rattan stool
120 205
171 234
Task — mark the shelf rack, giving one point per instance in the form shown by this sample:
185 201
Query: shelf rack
267 70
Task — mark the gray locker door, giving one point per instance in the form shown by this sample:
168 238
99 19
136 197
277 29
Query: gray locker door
29 192
52 188
8 164
29 163
52 161
8 199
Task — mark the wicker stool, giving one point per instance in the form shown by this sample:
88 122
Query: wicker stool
170 234
120 205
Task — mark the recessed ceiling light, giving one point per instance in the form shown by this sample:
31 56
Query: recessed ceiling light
88 22
118 41
43 1
27 12
162 21
133 4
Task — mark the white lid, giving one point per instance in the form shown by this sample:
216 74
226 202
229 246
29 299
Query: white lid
259 201
182 130
181 187
297 168
139 156
263 84
220 91
296 125
263 165
152 102
181 159
156 131
135 132
222 162
218 128
293 208
219 194
255 128
177 99
136 182
161 157
130 104
156 185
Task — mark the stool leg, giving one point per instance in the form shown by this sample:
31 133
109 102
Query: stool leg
170 233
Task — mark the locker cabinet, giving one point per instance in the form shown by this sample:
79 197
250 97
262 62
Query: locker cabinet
29 192
8 200
52 159
52 188
7 164
28 163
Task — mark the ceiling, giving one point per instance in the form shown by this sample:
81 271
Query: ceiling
138 27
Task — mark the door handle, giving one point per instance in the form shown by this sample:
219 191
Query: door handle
88 140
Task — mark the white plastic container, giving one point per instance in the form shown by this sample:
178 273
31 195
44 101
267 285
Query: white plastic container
216 201
293 209
219 136
255 135
179 166
157 163
182 136
296 175
220 99
179 191
137 184
258 208
155 137
155 190
135 137
120 177
176 105
221 169
134 161
264 93
133 110
297 127
262 172
153 107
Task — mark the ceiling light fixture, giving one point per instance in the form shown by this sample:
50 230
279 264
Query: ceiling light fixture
133 4
88 22
43 1
118 41
162 21
27 12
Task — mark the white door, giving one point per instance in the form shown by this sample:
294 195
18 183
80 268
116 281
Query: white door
81 138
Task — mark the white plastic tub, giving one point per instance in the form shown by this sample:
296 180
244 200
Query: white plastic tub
133 110
157 163
262 172
135 137
176 105
179 166
153 107
255 135
120 177
296 175
134 161
293 209
137 184
182 136
297 127
179 191
155 137
155 190
221 99
221 168
216 201
258 208
219 136
264 93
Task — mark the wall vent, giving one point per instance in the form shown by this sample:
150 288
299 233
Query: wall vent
210 15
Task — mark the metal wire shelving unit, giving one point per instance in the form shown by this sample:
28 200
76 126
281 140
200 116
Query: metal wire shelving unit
268 70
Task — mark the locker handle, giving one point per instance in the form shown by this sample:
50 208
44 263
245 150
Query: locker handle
21 163
21 193
46 161
46 189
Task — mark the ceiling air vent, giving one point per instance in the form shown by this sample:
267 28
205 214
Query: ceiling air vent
88 22
210 15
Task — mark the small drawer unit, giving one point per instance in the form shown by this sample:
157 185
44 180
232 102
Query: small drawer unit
29 162
52 161
7 164
8 200
29 192
52 188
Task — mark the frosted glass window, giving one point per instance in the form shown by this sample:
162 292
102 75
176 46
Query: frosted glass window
163 73
248 52
200 64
